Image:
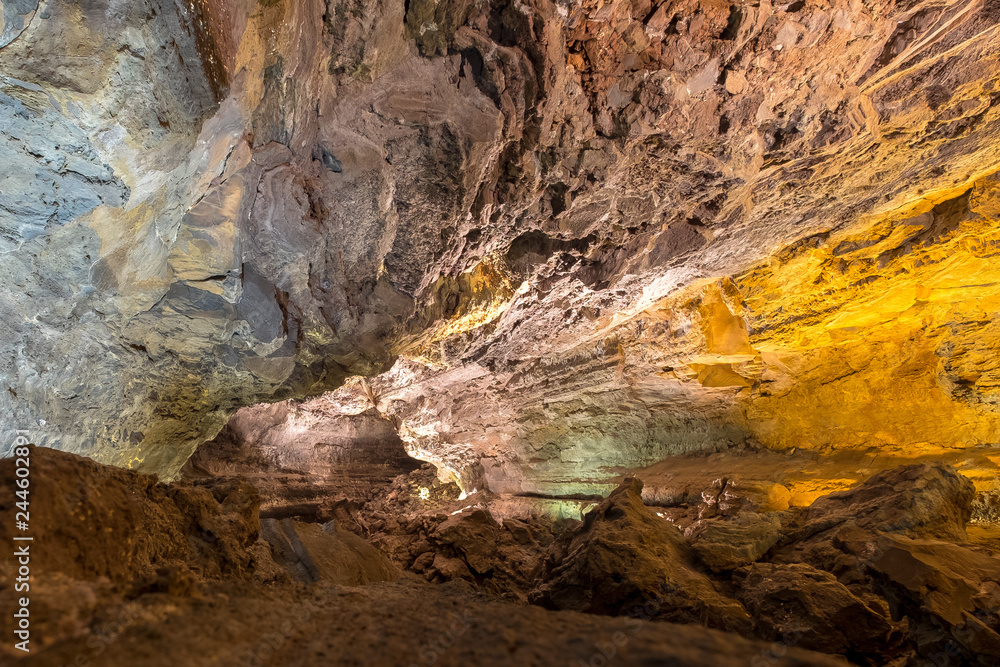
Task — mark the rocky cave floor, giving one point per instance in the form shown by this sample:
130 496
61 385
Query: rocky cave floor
129 571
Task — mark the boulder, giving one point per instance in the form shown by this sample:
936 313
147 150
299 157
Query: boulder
901 537
312 553
803 606
950 593
918 501
625 560
727 545
474 535
922 500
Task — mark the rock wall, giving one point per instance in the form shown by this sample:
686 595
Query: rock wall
875 339
606 231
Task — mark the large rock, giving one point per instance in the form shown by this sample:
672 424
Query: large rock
809 608
729 544
475 535
950 593
313 553
625 560
118 524
887 538
923 500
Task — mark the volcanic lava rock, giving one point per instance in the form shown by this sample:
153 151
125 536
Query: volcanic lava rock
329 553
624 559
467 544
886 539
692 217
389 624
923 500
727 544
158 575
107 522
806 607
475 535
950 593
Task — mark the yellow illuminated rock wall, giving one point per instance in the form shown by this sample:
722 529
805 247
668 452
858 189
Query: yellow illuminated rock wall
886 337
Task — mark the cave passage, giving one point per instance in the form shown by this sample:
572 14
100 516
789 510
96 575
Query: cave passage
499 332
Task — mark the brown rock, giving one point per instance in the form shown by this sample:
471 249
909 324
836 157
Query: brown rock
728 544
450 568
736 82
389 624
923 500
121 524
423 561
802 606
950 593
474 535
312 553
624 559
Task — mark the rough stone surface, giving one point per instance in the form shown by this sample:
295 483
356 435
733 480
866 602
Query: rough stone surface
118 525
157 602
918 501
893 538
402 622
690 217
726 545
799 604
306 460
566 241
329 553
623 556
950 593
878 575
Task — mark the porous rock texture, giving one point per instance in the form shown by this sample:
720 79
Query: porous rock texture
153 574
622 555
117 525
597 233
895 541
146 576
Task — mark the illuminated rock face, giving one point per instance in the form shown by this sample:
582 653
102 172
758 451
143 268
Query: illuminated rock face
597 233
875 339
